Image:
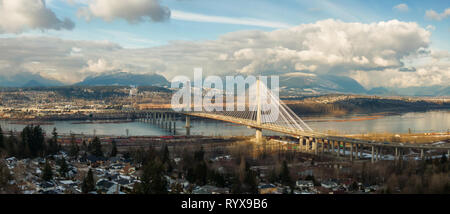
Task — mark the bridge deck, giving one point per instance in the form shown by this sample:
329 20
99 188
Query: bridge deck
284 130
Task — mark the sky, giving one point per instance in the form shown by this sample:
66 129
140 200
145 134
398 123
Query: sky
378 43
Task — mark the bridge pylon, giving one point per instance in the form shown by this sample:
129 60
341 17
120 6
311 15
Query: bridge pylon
259 136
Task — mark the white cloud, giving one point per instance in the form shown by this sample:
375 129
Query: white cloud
429 75
17 16
431 14
375 50
401 7
133 11
186 16
430 27
56 58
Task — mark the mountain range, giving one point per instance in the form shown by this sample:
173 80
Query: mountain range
321 84
24 79
125 79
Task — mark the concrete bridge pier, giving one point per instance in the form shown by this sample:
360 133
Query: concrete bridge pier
376 153
330 147
421 154
174 127
396 154
338 151
306 147
169 123
380 150
188 125
259 137
351 151
315 146
373 154
166 120
343 148
322 148
163 120
300 144
157 118
356 152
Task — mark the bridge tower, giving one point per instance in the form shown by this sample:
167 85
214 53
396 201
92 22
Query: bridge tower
259 137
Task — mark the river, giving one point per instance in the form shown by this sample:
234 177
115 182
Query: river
416 122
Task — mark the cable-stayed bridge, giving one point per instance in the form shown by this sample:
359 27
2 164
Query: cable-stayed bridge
260 109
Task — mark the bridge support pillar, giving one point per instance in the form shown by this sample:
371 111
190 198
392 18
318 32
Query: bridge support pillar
306 148
380 150
300 144
396 154
259 137
169 122
376 154
188 125
356 151
166 121
373 154
174 127
343 148
322 148
421 154
315 146
332 146
351 151
338 148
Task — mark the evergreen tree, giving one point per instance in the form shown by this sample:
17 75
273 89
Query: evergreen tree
32 144
200 172
96 147
47 173
236 188
165 155
84 147
2 141
11 145
5 175
114 149
152 180
285 176
63 168
199 155
74 149
443 159
273 177
53 143
88 184
251 182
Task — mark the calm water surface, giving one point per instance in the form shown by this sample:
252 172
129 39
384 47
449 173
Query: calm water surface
432 121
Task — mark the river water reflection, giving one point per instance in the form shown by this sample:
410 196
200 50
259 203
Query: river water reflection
431 121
